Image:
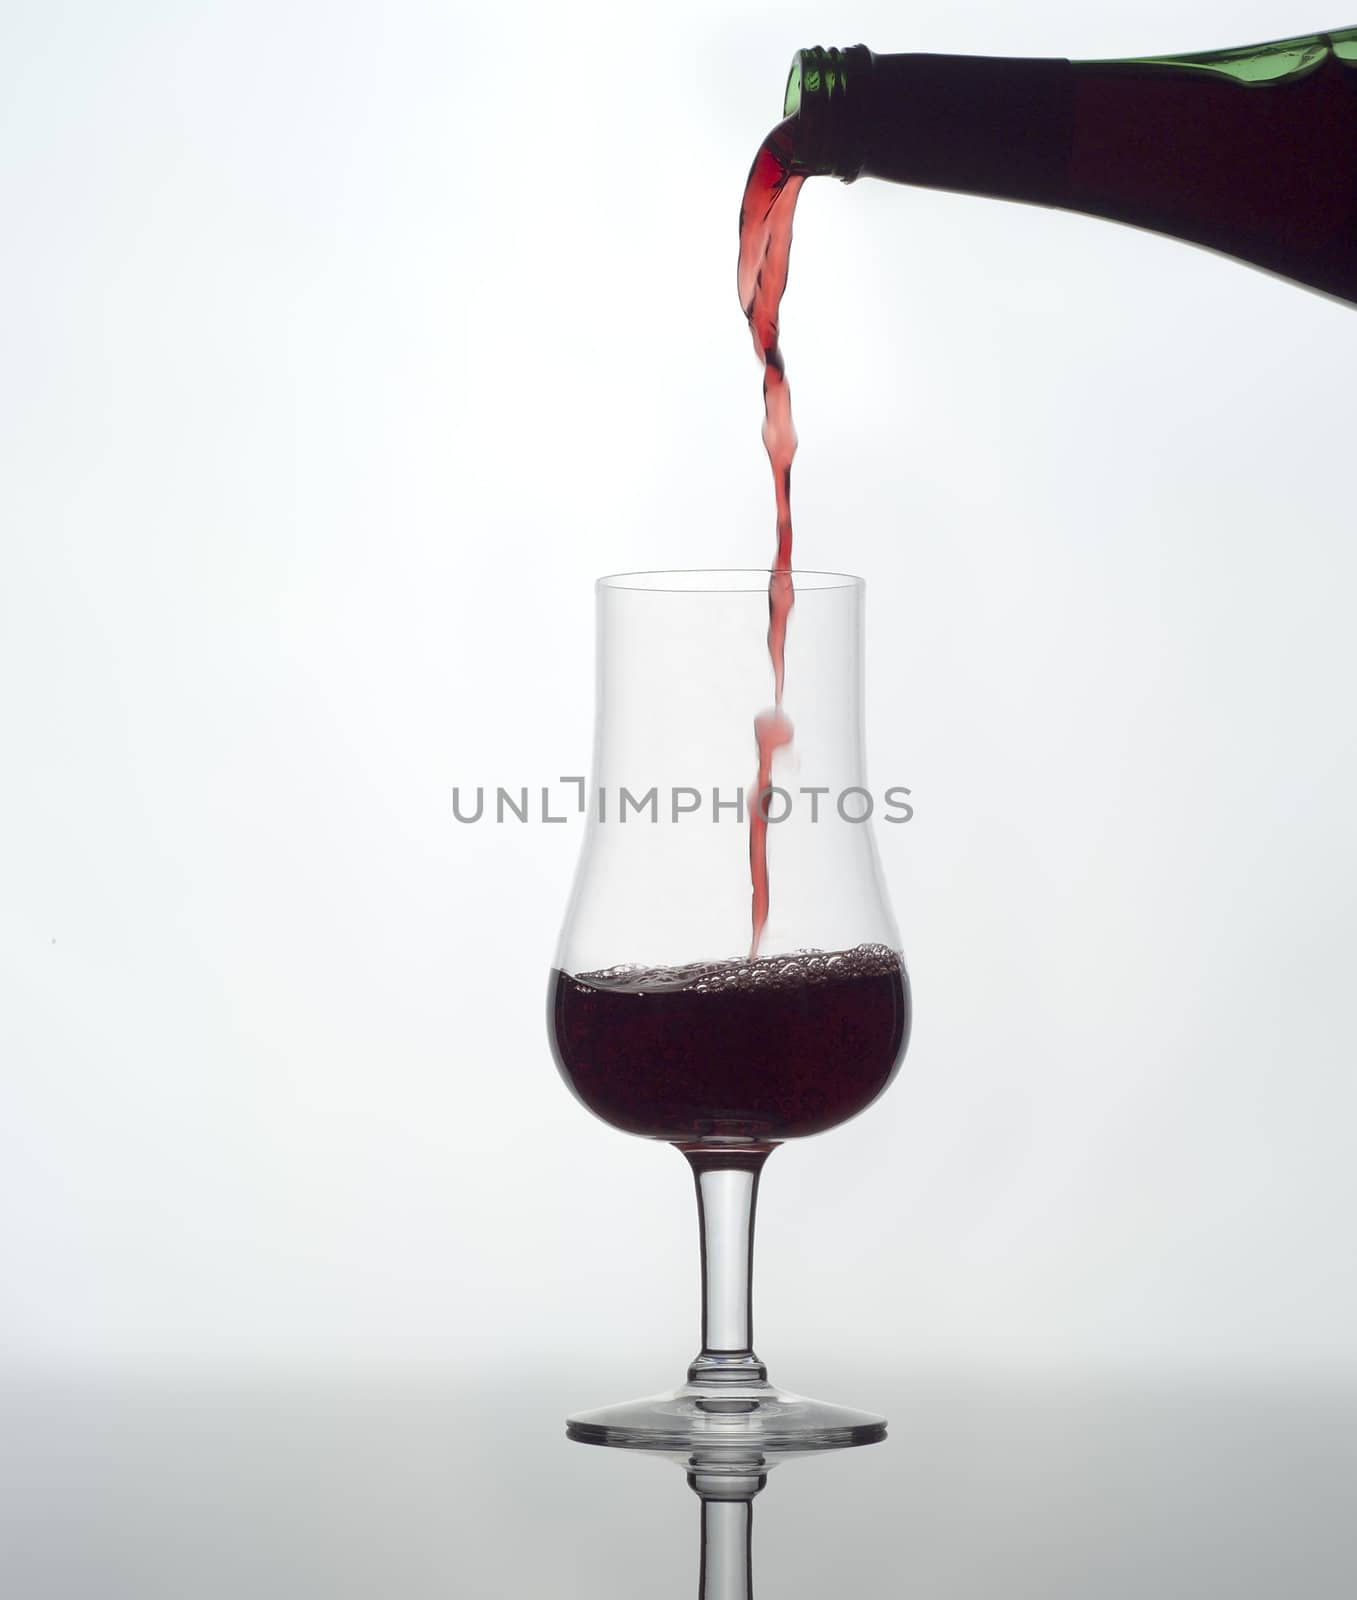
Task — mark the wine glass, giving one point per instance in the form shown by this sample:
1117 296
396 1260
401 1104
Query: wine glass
672 1015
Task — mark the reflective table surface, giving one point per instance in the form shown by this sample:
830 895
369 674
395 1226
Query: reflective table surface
429 1487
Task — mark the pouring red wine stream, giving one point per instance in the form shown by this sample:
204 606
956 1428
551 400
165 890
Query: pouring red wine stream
765 247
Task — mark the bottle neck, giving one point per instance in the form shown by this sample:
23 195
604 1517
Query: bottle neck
827 93
1007 126
988 125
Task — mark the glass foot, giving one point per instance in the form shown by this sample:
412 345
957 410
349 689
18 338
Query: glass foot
753 1417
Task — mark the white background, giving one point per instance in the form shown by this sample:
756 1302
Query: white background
340 348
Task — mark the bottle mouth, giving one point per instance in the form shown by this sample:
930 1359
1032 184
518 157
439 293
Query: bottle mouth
828 116
791 100
816 72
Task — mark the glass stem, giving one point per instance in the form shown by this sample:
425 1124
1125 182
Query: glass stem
727 1529
727 1189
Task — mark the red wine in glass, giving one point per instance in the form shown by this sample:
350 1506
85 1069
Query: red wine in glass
746 1051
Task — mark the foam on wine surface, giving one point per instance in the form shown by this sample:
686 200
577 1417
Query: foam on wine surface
737 975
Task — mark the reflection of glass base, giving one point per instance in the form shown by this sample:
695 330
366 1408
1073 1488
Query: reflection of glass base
749 1416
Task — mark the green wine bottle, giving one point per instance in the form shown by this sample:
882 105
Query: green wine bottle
1251 151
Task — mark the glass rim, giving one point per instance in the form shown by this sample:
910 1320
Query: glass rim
721 580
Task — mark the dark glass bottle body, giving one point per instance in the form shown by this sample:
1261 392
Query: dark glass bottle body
1251 152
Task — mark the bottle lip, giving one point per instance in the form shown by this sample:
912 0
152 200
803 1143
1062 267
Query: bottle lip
827 92
791 98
